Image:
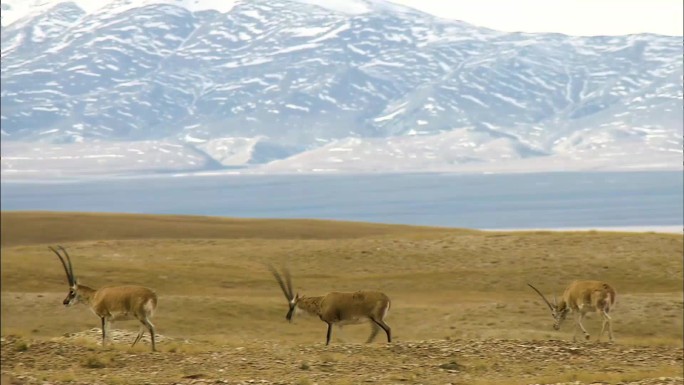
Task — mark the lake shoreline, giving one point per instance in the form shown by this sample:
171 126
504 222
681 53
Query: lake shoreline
628 229
634 201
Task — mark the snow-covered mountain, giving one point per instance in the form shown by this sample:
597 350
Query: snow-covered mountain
103 86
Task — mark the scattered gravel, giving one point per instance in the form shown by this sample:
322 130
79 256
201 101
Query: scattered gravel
116 336
67 360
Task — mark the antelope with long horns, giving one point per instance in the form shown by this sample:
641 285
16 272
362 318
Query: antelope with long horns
338 308
112 303
582 297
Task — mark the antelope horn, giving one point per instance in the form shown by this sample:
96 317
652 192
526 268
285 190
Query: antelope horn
71 268
542 295
66 269
287 289
288 280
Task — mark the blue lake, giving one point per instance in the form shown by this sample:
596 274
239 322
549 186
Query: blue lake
545 200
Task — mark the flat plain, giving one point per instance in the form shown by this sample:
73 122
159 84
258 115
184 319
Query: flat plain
461 312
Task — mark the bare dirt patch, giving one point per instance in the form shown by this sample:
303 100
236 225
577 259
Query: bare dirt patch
270 362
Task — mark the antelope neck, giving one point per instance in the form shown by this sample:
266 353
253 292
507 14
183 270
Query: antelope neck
310 304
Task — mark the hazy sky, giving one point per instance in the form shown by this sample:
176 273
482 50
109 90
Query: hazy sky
573 17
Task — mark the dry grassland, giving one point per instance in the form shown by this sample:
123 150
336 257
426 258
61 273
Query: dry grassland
452 289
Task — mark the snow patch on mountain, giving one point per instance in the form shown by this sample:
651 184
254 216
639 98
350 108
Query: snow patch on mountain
15 10
280 85
352 7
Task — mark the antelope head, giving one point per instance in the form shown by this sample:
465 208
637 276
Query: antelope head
72 297
286 286
557 312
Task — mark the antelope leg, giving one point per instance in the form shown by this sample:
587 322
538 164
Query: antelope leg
374 332
327 338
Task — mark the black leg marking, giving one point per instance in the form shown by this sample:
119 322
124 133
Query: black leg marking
384 327
103 330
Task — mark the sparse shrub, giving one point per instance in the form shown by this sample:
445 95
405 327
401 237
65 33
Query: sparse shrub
21 346
93 362
304 366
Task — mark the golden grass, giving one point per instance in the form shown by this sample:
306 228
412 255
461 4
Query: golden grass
212 284
26 228
214 288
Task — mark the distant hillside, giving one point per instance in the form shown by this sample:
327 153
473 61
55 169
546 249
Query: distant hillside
27 228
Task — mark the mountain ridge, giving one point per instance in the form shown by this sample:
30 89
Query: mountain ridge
281 81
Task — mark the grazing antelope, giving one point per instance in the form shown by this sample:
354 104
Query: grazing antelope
112 303
339 308
582 297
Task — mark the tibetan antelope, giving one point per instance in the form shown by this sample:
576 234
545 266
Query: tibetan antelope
582 297
337 308
112 303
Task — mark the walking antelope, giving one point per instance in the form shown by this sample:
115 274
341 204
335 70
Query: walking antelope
337 308
582 297
112 303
